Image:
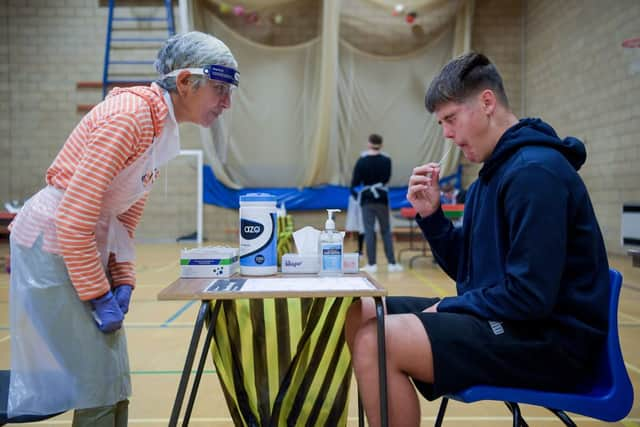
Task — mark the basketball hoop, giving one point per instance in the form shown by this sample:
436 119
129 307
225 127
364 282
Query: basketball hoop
632 49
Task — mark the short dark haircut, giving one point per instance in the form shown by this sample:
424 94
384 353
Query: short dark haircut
375 139
463 77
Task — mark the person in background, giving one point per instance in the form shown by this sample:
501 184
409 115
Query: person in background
72 247
448 194
368 185
529 262
353 222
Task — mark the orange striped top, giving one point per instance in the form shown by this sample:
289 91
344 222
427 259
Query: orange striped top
108 139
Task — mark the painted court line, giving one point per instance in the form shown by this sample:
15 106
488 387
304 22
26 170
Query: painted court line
164 325
628 316
169 372
629 324
156 269
632 367
629 422
508 418
5 338
439 291
137 325
628 286
178 313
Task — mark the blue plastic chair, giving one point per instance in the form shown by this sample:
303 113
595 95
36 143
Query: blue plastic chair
4 397
608 396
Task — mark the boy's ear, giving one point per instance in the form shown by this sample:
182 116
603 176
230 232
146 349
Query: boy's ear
488 101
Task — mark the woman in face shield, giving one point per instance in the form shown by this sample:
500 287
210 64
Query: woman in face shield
72 247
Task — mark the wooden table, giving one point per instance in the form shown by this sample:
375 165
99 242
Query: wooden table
266 287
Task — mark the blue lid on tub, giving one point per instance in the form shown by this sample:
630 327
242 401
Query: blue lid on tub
258 197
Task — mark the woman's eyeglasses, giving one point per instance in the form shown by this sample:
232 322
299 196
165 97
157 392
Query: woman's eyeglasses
223 89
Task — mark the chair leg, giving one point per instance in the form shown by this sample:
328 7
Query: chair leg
518 419
441 411
563 417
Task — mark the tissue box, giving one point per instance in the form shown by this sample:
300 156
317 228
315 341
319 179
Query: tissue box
310 264
300 264
210 261
350 262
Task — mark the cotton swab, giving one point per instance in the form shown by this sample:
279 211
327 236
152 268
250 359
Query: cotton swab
445 155
443 158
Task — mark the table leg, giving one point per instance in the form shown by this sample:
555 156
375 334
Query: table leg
188 363
211 319
382 362
360 412
410 248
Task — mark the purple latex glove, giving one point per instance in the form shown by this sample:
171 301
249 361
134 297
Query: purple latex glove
123 296
107 313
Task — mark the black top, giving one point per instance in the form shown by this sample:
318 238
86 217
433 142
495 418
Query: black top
370 170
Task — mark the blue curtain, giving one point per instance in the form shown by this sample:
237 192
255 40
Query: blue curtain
309 198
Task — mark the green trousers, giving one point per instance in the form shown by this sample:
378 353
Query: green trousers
104 416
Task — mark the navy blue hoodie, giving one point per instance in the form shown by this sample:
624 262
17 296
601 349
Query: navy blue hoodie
530 248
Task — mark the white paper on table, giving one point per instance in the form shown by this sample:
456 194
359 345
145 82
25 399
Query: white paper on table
337 283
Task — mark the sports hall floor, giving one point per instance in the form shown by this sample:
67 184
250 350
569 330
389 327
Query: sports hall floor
159 333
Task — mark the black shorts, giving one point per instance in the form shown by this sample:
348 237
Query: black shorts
470 351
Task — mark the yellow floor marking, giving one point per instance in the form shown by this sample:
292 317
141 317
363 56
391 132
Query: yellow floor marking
5 338
155 269
143 285
508 418
632 367
141 325
629 422
159 324
439 291
628 316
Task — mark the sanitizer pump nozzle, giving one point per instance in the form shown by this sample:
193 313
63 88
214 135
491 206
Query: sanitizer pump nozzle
330 224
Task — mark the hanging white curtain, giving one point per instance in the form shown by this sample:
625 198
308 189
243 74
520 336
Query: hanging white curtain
387 97
303 112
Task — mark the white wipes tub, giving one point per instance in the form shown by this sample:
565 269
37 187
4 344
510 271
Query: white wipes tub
258 234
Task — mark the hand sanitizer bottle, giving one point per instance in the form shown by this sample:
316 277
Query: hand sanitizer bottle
330 247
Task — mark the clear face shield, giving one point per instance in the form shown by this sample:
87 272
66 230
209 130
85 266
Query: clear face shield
224 79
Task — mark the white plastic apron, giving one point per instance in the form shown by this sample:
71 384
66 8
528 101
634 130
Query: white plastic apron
354 216
60 360
354 210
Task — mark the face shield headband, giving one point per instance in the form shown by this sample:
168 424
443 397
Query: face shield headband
214 72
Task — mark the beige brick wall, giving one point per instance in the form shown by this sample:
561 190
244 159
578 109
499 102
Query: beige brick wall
578 78
46 48
497 32
50 46
5 100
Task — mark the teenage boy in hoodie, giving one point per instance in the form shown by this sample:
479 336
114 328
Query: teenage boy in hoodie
529 262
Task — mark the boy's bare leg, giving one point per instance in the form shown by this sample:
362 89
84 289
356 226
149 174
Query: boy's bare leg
408 354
